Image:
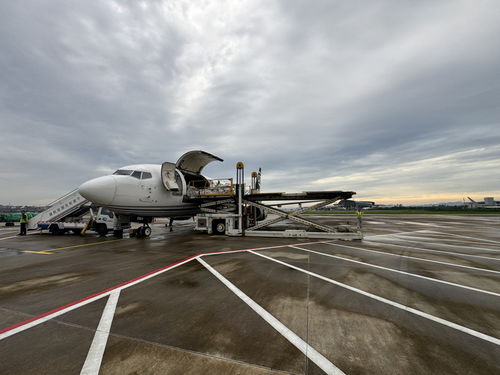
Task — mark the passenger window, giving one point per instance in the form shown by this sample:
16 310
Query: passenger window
136 174
146 175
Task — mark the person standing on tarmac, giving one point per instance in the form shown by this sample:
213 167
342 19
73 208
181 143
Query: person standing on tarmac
359 215
23 221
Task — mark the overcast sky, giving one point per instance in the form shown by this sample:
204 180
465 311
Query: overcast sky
396 100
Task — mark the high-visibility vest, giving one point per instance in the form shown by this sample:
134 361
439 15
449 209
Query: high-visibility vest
359 214
24 219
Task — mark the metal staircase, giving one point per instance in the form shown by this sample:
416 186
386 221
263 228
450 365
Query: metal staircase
70 204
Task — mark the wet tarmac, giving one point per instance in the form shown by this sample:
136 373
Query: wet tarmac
419 295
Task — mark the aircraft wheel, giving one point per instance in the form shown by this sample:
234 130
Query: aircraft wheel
54 230
102 229
146 231
139 232
220 227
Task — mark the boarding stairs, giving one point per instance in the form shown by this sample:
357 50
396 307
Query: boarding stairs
71 204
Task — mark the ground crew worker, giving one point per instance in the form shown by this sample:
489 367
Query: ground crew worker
23 221
359 215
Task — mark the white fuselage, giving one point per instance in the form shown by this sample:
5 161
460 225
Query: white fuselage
140 192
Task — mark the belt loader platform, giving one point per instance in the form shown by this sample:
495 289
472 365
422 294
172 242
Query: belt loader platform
246 214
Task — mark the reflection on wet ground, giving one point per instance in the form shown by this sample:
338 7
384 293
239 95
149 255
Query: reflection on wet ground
419 295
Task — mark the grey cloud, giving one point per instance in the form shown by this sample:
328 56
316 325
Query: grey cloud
306 90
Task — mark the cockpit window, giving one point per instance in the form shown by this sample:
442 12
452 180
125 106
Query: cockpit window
124 172
136 174
146 175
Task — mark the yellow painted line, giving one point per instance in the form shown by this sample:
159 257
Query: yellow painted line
37 252
49 251
86 244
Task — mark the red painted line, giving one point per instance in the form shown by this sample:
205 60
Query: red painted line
24 322
91 296
258 248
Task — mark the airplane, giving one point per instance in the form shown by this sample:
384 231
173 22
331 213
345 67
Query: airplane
489 202
350 204
142 192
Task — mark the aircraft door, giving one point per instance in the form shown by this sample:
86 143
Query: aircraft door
168 176
195 161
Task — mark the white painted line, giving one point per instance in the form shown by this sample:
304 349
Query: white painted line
431 235
411 310
50 316
258 248
416 258
154 274
94 356
418 223
462 236
84 302
300 344
407 238
390 234
6 238
380 243
399 271
22 326
454 245
18 236
458 243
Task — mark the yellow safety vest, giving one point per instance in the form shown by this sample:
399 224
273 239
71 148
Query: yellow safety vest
359 214
24 219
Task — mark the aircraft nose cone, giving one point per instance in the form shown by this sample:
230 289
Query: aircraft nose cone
99 190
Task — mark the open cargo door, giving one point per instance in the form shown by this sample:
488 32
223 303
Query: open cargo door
195 161
168 176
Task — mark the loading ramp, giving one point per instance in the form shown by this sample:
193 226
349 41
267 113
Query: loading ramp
236 214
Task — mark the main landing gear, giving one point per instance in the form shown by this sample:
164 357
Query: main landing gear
143 232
